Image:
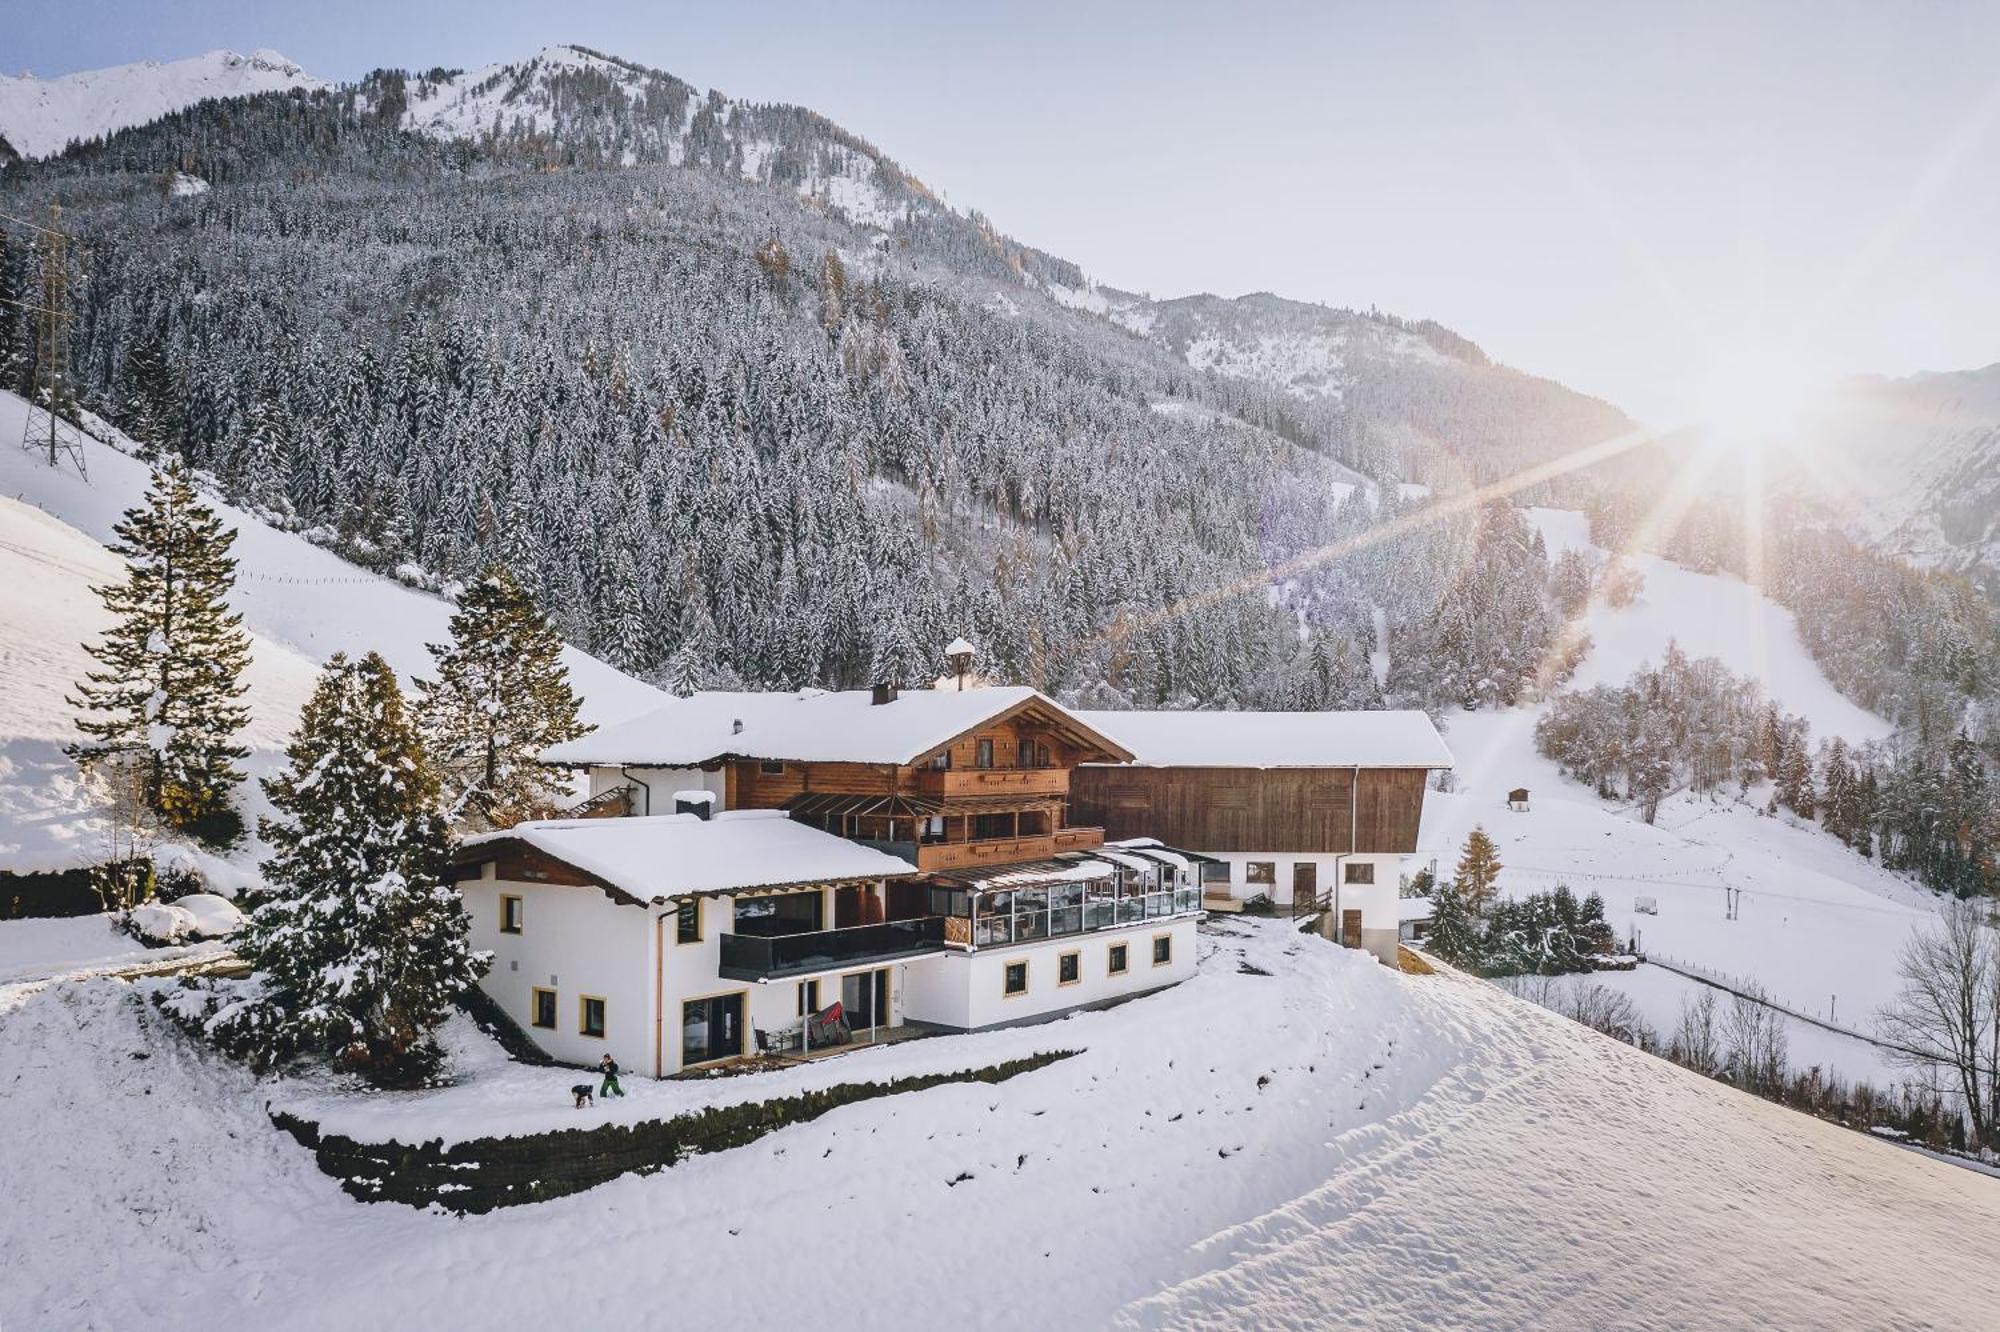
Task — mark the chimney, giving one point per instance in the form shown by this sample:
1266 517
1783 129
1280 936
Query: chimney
882 693
736 726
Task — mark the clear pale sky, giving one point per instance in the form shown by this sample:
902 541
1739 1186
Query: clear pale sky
1629 198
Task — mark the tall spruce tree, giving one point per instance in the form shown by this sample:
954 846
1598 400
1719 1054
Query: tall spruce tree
501 696
168 688
358 943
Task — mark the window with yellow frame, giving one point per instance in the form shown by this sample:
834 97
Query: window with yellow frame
590 1016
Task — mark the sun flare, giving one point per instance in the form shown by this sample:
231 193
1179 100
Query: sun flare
1756 395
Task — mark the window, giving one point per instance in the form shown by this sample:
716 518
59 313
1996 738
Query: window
808 997
983 754
1261 872
941 761
510 914
1024 754
770 767
590 1016
542 1008
1163 949
1361 873
1016 979
1069 968
1115 963
687 920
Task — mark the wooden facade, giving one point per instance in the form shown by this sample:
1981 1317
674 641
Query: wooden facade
996 795
1301 810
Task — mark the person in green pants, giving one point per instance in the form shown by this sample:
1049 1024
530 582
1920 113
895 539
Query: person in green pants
609 1068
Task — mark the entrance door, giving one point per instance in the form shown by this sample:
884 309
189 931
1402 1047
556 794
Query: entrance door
1305 883
865 997
1350 928
711 1028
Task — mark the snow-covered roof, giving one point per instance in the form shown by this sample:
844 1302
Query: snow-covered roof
807 726
1413 908
673 855
1276 739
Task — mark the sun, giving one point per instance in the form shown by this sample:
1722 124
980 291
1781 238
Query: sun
1757 394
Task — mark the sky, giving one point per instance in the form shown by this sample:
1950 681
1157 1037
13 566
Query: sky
1664 205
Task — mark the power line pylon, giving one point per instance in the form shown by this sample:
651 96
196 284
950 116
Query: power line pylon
51 427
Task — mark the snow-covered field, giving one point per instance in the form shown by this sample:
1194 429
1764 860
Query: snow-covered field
1332 1144
1818 926
301 603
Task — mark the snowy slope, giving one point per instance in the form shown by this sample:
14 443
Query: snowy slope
41 117
1819 926
302 604
1331 1144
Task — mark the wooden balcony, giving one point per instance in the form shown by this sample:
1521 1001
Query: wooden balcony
1005 850
947 782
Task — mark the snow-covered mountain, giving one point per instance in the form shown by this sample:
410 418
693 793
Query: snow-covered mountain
1400 397
1915 463
40 117
583 104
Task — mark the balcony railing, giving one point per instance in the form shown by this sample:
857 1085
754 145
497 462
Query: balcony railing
751 957
993 781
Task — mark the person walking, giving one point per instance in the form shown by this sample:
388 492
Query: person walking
609 1068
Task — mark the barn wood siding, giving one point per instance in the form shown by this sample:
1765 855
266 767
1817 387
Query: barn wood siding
1254 809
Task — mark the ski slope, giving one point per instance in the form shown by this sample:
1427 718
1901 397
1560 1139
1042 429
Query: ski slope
1818 927
1330 1144
301 604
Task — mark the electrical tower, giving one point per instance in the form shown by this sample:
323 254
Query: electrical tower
51 428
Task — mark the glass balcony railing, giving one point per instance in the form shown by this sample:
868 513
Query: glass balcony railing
753 957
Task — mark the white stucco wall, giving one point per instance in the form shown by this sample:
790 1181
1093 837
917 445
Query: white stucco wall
662 782
577 942
1376 901
966 990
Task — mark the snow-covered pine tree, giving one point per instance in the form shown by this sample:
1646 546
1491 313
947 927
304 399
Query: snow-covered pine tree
359 945
501 696
1478 869
1454 932
168 688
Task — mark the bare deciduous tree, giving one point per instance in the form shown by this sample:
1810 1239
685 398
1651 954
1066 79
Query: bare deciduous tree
1947 1013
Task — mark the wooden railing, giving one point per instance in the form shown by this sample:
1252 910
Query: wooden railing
1005 850
992 781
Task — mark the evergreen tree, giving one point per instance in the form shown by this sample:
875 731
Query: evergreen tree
359 945
1478 870
168 686
1454 932
500 698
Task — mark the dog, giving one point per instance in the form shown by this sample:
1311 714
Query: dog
584 1096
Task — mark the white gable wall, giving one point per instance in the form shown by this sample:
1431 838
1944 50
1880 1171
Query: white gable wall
576 941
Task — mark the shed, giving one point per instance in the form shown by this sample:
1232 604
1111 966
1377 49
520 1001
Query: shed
1517 799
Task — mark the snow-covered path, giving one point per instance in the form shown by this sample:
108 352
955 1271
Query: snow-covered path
1329 1144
